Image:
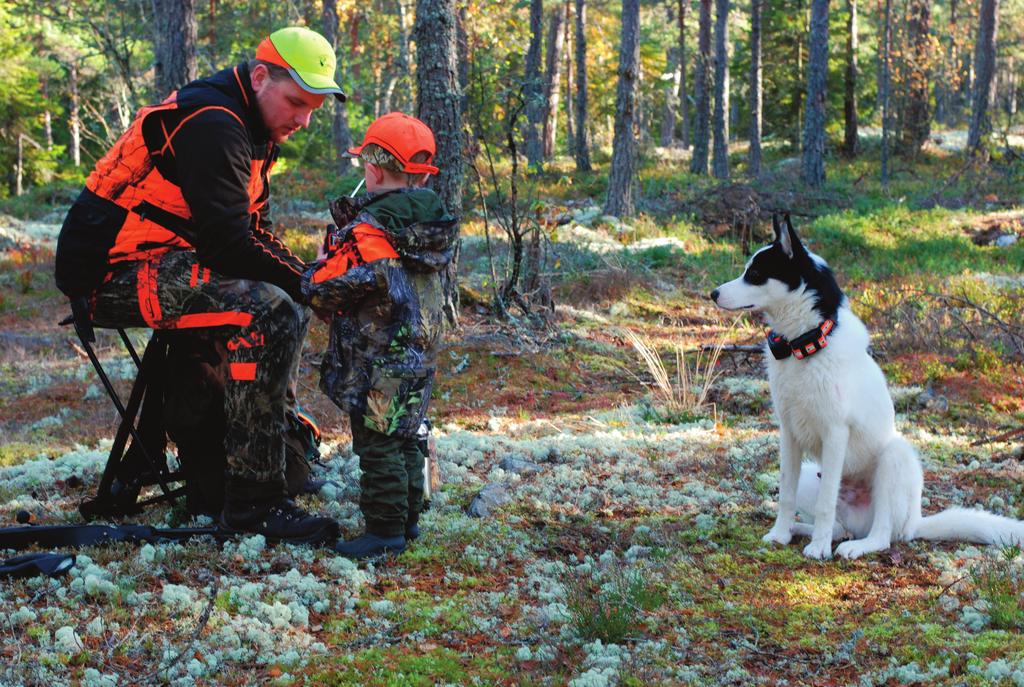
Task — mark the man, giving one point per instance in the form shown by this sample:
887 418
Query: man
172 232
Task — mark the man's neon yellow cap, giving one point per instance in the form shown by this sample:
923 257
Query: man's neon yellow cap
307 56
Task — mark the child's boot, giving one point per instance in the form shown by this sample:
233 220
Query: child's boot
370 546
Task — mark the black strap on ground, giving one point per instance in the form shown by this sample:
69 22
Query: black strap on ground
32 564
56 536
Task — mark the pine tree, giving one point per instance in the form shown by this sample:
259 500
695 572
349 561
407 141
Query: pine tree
620 180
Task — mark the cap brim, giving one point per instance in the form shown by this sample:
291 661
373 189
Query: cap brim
315 83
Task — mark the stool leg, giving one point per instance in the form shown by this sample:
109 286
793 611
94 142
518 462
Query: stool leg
127 418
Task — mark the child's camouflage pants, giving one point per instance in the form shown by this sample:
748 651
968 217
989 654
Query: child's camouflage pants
391 486
263 329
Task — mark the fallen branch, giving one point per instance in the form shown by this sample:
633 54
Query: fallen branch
999 437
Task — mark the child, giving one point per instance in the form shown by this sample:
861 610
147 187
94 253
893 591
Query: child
380 277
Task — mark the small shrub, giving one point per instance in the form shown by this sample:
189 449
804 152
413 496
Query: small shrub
1000 584
685 396
609 608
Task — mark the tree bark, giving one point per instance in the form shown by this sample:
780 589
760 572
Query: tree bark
74 118
341 135
984 67
174 44
850 81
570 134
684 96
756 87
401 69
438 104
699 160
553 79
885 86
720 161
582 148
620 181
813 162
917 113
533 90
670 113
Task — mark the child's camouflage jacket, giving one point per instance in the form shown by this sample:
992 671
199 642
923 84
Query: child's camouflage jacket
381 276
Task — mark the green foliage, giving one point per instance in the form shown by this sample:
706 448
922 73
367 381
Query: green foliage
609 606
1001 584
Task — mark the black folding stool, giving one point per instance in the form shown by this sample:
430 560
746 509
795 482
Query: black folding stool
115 497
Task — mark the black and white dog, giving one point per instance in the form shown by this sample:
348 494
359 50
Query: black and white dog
833 405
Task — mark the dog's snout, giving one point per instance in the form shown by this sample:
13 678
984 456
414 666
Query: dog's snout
714 295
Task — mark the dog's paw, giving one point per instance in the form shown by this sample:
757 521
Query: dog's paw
850 550
855 548
820 550
779 535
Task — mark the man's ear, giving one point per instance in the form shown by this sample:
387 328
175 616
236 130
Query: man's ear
258 77
782 236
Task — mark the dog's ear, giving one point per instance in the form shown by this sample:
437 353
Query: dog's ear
783 235
788 239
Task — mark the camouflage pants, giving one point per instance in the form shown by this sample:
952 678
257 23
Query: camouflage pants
263 330
392 483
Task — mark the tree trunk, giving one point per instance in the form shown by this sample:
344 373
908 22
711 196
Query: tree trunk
984 68
396 92
438 104
917 113
174 44
582 151
462 39
533 90
74 119
720 161
684 96
670 115
553 79
850 82
19 166
813 162
699 160
756 86
620 180
341 135
570 134
886 86
952 109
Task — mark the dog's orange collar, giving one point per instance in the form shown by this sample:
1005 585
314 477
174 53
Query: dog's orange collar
804 345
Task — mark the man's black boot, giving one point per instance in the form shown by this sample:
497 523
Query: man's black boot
412 526
264 508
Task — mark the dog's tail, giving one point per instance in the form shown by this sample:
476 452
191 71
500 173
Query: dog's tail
964 524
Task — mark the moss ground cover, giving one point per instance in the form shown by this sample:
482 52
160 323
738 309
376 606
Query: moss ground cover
630 552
